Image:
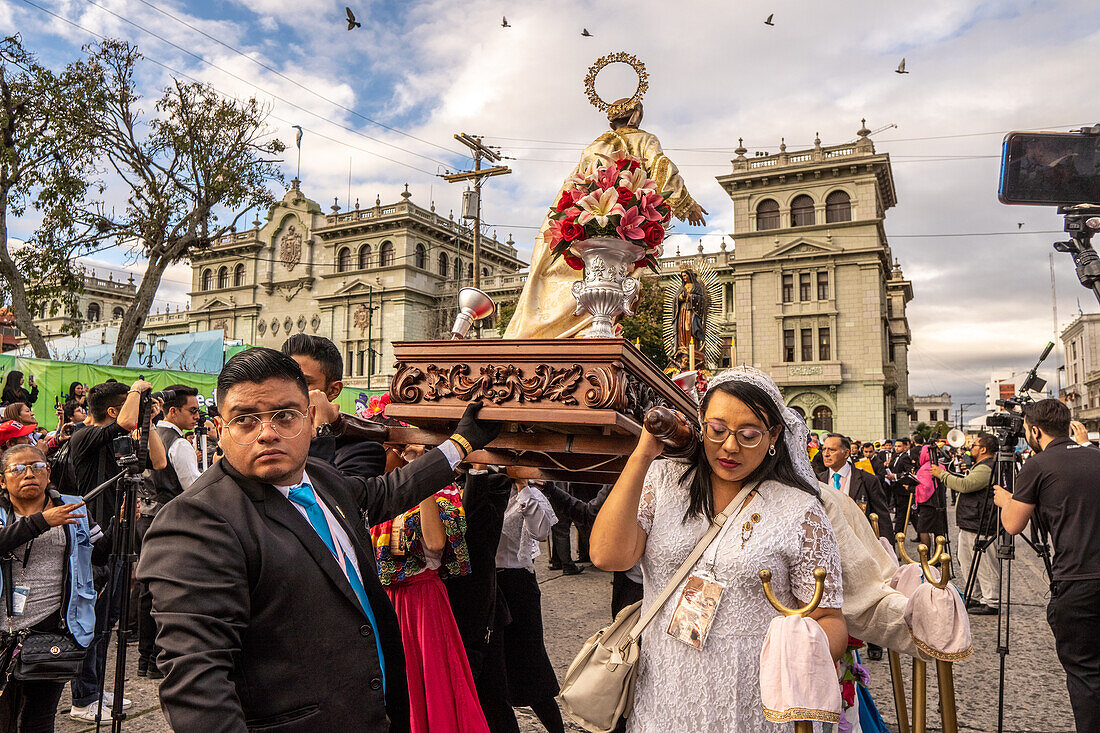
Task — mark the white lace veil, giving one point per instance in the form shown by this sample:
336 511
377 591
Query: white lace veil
795 431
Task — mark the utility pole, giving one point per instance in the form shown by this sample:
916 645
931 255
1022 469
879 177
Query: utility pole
1056 339
473 142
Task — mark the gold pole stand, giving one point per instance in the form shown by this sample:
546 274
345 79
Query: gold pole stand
945 673
899 691
920 696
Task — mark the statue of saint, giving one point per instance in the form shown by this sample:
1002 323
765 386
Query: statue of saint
545 307
691 313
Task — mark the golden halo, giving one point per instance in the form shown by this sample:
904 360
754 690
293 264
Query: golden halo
620 57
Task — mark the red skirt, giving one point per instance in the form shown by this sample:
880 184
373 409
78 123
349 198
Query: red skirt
442 697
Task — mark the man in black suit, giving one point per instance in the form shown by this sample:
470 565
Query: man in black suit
899 466
356 454
871 456
269 612
860 485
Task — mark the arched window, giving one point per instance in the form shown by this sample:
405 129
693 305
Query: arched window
385 254
45 307
364 257
485 272
93 311
443 264
802 211
421 256
767 215
117 313
823 418
838 207
238 274
800 411
343 260
223 277
470 271
207 279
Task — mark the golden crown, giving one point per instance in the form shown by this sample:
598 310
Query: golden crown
619 108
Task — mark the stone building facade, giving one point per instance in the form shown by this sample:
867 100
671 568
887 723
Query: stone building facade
1081 347
931 409
810 294
102 300
363 278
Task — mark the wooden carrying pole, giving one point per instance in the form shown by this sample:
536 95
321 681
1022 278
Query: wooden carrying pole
800 726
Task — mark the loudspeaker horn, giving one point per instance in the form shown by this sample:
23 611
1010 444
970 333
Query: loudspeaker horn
473 305
956 438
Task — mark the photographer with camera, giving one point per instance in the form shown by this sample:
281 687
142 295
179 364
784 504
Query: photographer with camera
115 411
971 509
1059 487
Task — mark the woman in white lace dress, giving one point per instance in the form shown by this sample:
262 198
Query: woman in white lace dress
753 454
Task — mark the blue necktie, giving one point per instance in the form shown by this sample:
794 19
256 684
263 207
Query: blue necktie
304 497
836 481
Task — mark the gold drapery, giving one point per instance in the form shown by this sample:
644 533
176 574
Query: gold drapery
545 307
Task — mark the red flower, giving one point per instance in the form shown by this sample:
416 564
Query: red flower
625 194
565 201
573 261
854 643
572 231
634 165
848 693
624 162
654 234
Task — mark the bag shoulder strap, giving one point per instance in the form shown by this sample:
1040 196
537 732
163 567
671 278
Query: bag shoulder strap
684 569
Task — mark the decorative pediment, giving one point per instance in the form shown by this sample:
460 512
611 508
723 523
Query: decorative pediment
352 289
803 248
215 304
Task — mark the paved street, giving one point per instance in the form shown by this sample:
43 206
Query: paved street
574 607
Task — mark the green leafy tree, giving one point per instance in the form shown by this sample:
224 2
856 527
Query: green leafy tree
45 164
941 430
504 316
924 430
198 156
646 326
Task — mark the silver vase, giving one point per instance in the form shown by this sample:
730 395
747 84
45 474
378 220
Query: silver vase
607 289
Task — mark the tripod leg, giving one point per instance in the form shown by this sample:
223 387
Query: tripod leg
948 713
920 696
899 691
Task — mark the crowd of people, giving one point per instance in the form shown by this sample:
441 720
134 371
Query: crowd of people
411 572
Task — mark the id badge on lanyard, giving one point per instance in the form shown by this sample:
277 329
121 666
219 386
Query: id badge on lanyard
698 604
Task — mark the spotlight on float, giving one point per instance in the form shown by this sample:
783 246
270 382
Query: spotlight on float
473 305
956 438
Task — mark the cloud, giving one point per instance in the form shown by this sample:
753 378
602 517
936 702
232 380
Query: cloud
717 73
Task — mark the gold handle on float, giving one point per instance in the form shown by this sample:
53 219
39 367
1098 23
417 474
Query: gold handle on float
819 591
874 522
941 542
899 540
944 560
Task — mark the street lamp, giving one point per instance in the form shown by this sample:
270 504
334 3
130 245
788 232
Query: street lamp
156 351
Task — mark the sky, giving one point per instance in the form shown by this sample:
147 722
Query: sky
384 101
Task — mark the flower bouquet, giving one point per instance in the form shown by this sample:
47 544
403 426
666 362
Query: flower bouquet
615 198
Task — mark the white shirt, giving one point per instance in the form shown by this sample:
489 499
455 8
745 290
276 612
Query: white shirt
527 521
845 474
183 459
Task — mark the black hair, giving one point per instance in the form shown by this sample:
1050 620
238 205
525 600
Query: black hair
69 408
319 348
903 441
13 379
182 393
72 390
844 440
778 467
1050 416
103 396
987 441
259 364
918 439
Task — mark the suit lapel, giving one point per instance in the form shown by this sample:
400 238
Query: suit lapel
279 510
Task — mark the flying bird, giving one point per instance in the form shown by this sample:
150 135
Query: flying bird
769 20
585 33
1019 225
352 22
504 22
901 68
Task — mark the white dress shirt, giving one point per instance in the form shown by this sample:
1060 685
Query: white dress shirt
845 474
527 521
183 459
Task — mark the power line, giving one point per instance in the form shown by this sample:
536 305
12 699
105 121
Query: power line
295 82
230 97
241 79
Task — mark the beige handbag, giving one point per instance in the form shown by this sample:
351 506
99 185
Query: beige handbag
599 684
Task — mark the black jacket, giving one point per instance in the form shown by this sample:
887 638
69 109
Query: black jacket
258 627
19 394
968 509
865 489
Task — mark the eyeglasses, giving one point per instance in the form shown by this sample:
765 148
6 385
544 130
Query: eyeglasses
245 429
19 469
746 437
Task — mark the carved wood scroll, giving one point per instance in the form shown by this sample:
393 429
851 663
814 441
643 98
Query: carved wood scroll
492 382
